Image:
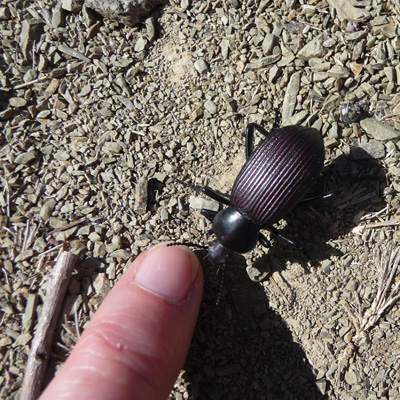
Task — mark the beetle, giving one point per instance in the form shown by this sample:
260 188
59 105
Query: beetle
276 176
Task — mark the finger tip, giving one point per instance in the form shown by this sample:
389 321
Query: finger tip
169 272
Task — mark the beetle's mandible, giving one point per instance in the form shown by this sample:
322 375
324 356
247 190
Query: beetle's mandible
275 177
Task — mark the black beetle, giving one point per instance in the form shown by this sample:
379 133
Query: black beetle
275 177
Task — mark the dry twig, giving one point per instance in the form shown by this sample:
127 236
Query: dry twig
41 343
387 296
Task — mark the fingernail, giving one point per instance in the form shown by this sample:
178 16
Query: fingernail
168 271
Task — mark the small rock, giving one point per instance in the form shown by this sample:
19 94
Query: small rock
352 285
346 11
224 48
140 44
197 113
210 106
25 255
23 339
17 102
101 284
379 130
297 118
26 158
58 16
358 50
51 89
169 168
269 43
30 311
312 49
352 377
290 99
199 203
201 66
4 13
31 32
6 114
151 28
371 149
129 12
111 148
231 105
337 71
185 4
47 209
72 5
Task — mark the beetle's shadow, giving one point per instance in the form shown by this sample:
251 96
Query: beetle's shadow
357 186
242 349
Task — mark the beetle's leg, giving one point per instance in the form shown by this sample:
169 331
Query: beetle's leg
208 192
250 137
284 238
209 214
319 197
275 122
263 240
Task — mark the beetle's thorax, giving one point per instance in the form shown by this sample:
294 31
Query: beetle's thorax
234 231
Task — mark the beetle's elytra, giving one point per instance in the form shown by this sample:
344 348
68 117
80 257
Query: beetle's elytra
278 174
275 177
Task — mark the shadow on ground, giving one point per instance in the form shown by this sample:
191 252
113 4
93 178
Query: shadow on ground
242 349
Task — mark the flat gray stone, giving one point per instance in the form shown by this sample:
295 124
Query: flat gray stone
26 158
289 102
378 130
129 12
312 49
345 10
47 209
31 32
210 106
199 203
372 149
201 66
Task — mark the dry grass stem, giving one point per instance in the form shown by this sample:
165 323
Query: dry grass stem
387 295
41 343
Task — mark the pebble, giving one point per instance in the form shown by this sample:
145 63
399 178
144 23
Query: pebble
4 13
30 311
26 158
72 5
31 32
372 149
313 49
290 99
199 203
211 107
47 209
347 11
201 66
6 114
224 49
17 102
378 130
268 44
141 44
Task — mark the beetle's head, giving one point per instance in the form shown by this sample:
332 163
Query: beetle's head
234 231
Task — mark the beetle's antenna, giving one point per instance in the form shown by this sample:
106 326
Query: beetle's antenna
221 270
189 244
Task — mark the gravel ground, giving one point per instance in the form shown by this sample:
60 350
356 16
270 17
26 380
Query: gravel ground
93 114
